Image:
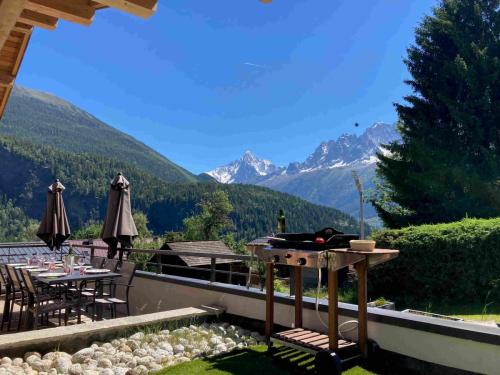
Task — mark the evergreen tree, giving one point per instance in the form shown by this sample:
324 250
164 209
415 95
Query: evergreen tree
447 165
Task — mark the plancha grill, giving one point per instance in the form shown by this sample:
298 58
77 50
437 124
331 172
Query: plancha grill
299 250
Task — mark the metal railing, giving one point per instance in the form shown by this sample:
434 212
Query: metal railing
159 264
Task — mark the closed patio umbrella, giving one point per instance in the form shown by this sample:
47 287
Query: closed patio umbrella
119 226
54 228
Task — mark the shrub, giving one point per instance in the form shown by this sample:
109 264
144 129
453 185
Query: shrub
446 263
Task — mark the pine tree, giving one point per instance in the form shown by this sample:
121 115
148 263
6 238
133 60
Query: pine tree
447 165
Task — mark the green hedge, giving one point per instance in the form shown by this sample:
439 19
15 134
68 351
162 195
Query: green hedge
443 263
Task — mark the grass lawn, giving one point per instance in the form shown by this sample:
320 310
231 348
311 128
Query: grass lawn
254 361
469 312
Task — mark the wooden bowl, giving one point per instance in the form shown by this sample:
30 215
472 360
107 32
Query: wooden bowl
362 245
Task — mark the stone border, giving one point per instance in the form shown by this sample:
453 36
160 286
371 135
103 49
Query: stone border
75 337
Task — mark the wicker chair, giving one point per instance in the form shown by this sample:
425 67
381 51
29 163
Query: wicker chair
120 289
111 264
97 262
10 295
19 295
88 289
44 304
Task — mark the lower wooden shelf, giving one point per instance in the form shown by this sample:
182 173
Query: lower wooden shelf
312 341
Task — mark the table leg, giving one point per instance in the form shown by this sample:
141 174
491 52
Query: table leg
298 296
98 291
333 317
269 300
361 269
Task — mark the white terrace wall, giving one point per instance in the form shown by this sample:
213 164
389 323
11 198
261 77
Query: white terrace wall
458 345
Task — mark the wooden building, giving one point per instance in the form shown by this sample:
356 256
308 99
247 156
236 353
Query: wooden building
200 267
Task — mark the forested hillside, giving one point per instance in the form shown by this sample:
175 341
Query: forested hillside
28 169
42 118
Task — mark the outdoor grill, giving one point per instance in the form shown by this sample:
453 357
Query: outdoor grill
327 249
300 249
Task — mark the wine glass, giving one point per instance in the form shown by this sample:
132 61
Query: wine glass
81 263
52 263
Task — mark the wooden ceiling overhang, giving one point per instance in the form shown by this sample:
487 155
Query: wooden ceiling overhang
19 17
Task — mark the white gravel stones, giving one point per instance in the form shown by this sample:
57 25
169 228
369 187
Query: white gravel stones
140 354
81 355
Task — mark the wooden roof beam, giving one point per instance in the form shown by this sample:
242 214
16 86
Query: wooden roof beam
6 79
141 8
22 28
10 11
38 19
78 11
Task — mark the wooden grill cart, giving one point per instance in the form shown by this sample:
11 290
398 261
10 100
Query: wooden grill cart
329 349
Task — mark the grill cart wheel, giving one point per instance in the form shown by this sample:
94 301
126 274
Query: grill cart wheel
327 363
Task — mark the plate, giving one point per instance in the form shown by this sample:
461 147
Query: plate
38 269
78 267
97 270
52 274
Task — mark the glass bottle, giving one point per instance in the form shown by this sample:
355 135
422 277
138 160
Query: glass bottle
281 222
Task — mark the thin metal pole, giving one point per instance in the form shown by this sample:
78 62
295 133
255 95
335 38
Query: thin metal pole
361 215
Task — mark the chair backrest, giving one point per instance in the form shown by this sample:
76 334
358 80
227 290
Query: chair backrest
28 281
4 275
14 278
127 273
97 262
110 264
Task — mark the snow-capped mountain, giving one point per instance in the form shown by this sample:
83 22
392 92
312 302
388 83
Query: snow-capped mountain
348 150
325 177
248 170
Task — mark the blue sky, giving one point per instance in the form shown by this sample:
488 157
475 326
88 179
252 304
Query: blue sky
204 80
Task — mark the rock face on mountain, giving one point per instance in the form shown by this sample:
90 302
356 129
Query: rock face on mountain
247 170
325 177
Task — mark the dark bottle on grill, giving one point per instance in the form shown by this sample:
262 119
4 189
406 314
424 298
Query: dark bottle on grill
281 222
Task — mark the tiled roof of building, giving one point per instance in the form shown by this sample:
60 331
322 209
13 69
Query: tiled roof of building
217 247
18 251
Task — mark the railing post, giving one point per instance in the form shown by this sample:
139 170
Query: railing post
92 251
230 275
212 269
158 264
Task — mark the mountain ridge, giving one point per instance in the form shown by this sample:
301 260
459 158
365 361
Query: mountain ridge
28 169
325 176
45 119
346 150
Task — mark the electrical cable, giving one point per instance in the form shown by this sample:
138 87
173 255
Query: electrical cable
318 289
